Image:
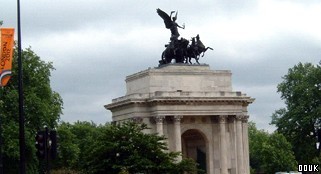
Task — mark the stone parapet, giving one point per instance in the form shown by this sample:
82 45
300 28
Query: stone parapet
176 77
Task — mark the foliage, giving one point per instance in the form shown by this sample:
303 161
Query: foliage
269 153
74 142
110 148
86 135
42 106
64 171
69 151
299 121
125 148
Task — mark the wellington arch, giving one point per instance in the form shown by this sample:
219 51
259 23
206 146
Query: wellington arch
196 109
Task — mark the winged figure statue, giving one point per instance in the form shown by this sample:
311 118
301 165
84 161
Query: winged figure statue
170 23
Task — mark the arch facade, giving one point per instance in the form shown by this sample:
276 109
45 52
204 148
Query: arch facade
182 101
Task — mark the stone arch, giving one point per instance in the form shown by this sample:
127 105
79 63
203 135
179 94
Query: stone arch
195 145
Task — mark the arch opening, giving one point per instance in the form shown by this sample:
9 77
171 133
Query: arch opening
194 146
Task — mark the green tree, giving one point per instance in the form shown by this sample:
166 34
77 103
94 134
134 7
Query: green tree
42 107
125 148
300 119
68 156
86 134
270 153
75 141
256 140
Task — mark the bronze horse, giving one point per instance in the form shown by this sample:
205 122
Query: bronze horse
195 50
176 49
182 52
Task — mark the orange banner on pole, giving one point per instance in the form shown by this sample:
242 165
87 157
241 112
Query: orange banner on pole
6 53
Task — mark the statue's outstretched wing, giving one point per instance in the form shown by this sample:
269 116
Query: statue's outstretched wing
165 17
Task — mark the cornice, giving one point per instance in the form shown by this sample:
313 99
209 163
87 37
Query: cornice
181 100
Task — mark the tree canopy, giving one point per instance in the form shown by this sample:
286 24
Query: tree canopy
300 119
42 107
75 141
270 153
117 148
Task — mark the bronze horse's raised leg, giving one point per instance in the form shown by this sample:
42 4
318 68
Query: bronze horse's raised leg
206 50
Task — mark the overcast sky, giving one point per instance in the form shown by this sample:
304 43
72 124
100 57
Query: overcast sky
95 44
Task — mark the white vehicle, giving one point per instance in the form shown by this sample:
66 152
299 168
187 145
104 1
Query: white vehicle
291 172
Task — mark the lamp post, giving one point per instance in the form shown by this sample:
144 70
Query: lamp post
22 145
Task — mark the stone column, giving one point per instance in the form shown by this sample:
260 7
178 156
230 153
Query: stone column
223 152
159 125
239 144
177 135
246 144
